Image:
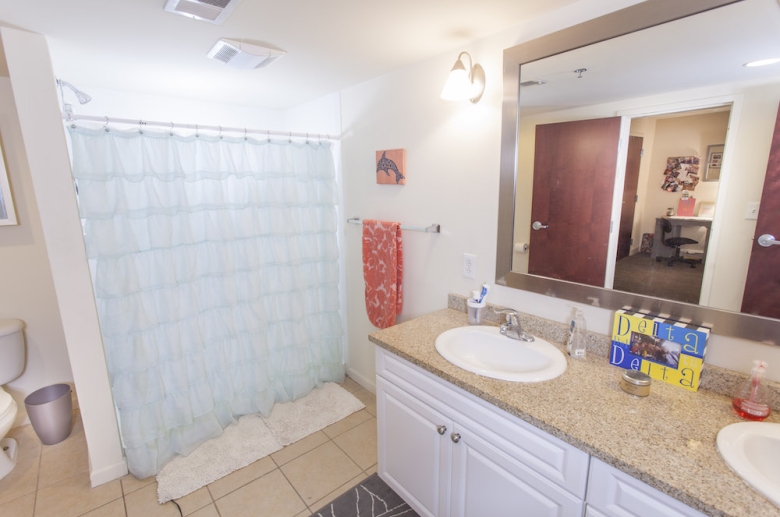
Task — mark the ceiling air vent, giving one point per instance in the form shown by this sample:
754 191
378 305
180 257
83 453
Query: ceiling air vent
213 11
243 55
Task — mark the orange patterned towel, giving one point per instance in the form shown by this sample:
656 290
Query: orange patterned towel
383 271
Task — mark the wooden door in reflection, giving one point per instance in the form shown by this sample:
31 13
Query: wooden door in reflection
574 177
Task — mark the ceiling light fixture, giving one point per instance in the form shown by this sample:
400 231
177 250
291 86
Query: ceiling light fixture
464 83
242 55
763 62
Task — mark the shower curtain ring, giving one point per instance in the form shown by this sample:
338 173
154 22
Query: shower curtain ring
290 137
196 131
105 126
171 128
141 127
220 132
245 138
269 135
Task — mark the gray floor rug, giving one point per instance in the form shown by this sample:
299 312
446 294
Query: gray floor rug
370 498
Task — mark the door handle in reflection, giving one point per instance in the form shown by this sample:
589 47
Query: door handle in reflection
539 226
441 429
455 437
767 240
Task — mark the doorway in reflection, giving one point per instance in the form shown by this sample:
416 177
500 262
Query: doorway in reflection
671 184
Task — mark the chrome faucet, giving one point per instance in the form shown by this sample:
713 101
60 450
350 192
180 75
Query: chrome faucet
512 328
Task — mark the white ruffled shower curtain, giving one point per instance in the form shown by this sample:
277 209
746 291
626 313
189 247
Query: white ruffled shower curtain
216 279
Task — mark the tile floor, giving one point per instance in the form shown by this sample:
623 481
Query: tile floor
53 480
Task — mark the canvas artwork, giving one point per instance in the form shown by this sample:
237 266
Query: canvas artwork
391 167
682 173
7 212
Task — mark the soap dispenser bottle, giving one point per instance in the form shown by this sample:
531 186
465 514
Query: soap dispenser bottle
752 402
575 344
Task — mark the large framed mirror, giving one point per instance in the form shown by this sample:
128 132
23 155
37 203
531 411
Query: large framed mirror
635 149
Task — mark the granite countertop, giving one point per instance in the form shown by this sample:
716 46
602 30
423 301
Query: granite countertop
666 440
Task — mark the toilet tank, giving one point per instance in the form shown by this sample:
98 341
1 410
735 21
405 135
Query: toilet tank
11 349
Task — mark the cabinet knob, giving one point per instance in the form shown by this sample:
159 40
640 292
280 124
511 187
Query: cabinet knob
441 429
455 437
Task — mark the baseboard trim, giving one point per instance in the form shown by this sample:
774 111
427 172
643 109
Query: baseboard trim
110 473
369 384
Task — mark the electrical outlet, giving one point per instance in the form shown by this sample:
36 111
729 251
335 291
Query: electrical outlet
752 210
469 265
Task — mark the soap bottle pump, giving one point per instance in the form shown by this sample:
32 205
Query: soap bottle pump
575 344
752 402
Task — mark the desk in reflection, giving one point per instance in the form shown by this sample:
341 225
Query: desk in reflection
678 222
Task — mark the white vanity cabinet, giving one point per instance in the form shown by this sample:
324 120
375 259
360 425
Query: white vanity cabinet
449 453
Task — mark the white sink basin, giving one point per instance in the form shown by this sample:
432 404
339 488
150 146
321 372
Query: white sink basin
752 450
484 351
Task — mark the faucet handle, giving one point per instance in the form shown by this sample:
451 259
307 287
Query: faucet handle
511 315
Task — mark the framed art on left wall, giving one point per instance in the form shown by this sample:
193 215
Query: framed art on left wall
7 211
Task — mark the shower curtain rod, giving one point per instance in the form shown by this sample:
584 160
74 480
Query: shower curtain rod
72 117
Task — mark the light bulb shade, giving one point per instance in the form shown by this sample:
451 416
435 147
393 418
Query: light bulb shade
458 86
463 84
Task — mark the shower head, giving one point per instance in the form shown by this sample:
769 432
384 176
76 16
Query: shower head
81 96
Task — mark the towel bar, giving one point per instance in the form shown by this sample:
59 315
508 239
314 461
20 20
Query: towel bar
434 228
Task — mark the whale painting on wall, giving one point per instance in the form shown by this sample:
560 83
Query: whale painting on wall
7 212
391 167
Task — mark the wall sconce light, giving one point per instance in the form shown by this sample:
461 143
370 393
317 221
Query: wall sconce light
464 83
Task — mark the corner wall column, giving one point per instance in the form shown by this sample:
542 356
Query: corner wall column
35 95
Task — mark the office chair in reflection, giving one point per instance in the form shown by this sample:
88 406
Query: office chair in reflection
675 242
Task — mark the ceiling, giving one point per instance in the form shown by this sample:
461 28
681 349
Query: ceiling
134 45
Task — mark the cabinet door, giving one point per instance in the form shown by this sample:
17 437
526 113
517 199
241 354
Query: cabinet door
487 482
592 512
414 449
616 494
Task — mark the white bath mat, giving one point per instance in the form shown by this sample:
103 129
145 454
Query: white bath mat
253 438
295 420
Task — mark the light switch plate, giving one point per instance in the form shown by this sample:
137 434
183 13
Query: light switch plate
752 210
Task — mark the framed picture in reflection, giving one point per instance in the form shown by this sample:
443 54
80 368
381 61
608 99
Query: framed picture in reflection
7 211
714 161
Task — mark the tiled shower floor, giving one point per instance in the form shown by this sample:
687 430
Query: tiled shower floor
53 481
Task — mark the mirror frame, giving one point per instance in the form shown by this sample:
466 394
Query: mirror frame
631 19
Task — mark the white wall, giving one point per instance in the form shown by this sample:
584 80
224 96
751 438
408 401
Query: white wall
452 155
130 105
453 177
28 289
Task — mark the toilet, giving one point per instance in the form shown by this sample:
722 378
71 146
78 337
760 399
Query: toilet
11 367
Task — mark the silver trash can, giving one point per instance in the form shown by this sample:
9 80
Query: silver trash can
51 412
